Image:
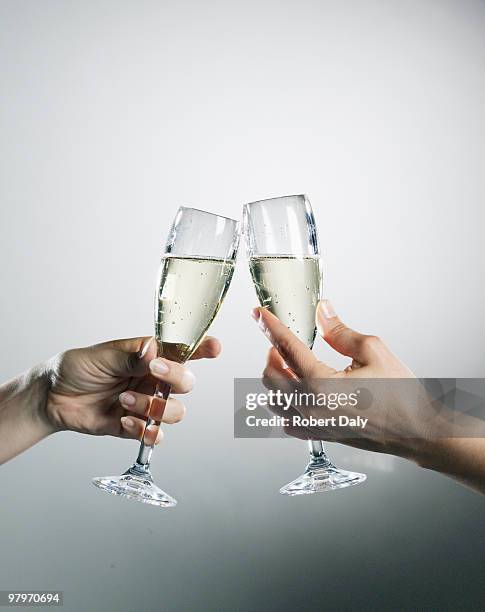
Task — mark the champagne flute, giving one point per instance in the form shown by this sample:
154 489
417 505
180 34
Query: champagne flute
195 274
285 264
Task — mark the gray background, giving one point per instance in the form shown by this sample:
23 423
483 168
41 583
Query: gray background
112 114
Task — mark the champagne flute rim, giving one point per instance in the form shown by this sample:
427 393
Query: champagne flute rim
289 255
283 197
171 255
206 212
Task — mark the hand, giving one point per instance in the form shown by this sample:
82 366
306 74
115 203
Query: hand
417 430
291 363
107 389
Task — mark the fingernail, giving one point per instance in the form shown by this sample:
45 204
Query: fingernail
326 309
257 316
127 399
127 422
158 367
145 348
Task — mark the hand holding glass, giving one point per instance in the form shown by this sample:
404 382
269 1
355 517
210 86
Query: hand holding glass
195 274
285 263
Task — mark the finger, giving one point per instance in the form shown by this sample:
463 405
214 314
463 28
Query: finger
145 385
133 428
326 434
276 375
273 380
127 357
276 361
180 379
362 348
297 432
301 433
151 434
293 351
209 348
168 411
281 410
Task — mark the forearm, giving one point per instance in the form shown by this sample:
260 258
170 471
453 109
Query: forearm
460 458
22 412
448 441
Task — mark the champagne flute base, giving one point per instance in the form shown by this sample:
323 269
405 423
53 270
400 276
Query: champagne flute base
136 484
318 479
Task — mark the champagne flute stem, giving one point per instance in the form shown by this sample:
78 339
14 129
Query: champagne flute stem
317 453
161 394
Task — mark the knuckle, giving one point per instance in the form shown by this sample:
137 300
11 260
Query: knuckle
335 331
283 345
145 403
371 343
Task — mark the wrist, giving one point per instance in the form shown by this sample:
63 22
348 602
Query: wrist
420 451
428 453
35 392
23 419
423 453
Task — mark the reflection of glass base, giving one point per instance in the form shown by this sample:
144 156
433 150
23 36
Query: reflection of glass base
135 484
318 478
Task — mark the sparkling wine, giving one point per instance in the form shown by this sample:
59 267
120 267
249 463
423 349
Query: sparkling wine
289 287
190 292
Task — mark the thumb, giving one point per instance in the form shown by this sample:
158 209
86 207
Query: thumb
340 337
128 357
